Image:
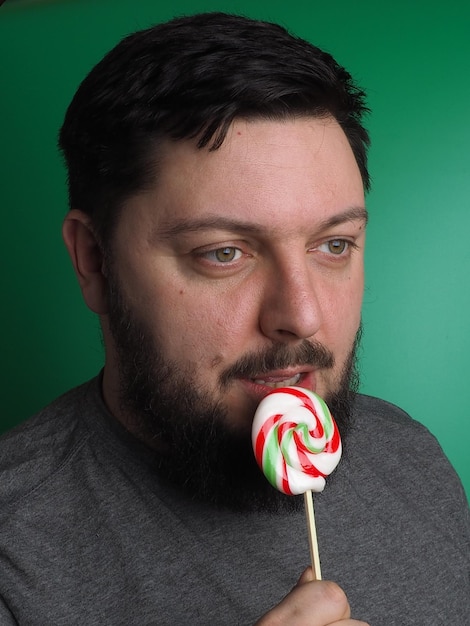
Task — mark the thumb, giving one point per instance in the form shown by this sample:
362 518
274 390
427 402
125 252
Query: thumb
306 577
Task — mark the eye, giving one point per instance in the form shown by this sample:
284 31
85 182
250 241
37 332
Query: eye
223 255
336 246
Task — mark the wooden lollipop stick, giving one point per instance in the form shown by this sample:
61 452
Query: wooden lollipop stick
312 535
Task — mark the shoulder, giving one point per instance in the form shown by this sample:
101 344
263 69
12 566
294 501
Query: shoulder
390 424
365 405
388 430
404 455
36 449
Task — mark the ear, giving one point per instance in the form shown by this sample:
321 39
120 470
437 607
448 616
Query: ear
87 259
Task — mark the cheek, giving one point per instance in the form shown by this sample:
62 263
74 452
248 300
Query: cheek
342 311
198 327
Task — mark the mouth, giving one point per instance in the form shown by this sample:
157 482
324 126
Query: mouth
252 389
275 382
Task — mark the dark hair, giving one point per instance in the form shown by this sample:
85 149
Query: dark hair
190 78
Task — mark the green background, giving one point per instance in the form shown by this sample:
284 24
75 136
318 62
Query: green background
414 60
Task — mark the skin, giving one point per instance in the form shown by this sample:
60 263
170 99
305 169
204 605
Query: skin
258 242
311 603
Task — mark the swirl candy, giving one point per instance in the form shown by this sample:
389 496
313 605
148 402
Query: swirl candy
296 440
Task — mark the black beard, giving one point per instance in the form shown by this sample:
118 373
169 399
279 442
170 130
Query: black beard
198 449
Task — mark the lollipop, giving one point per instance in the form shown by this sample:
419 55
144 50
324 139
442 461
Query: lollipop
297 444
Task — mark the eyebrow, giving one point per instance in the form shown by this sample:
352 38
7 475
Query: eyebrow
185 226
350 215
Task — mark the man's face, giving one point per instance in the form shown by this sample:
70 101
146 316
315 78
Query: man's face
239 260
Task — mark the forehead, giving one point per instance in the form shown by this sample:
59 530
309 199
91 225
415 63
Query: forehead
265 170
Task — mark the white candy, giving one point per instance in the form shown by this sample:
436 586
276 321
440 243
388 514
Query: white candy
296 440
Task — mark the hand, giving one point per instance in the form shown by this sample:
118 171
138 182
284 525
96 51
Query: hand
311 603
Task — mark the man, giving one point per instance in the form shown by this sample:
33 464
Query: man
217 169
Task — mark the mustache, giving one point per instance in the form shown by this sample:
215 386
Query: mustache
279 356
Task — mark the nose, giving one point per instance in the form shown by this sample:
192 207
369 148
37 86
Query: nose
290 308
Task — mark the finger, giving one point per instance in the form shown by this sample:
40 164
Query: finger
306 577
348 622
310 603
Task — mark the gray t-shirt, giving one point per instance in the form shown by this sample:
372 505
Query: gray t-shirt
90 536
